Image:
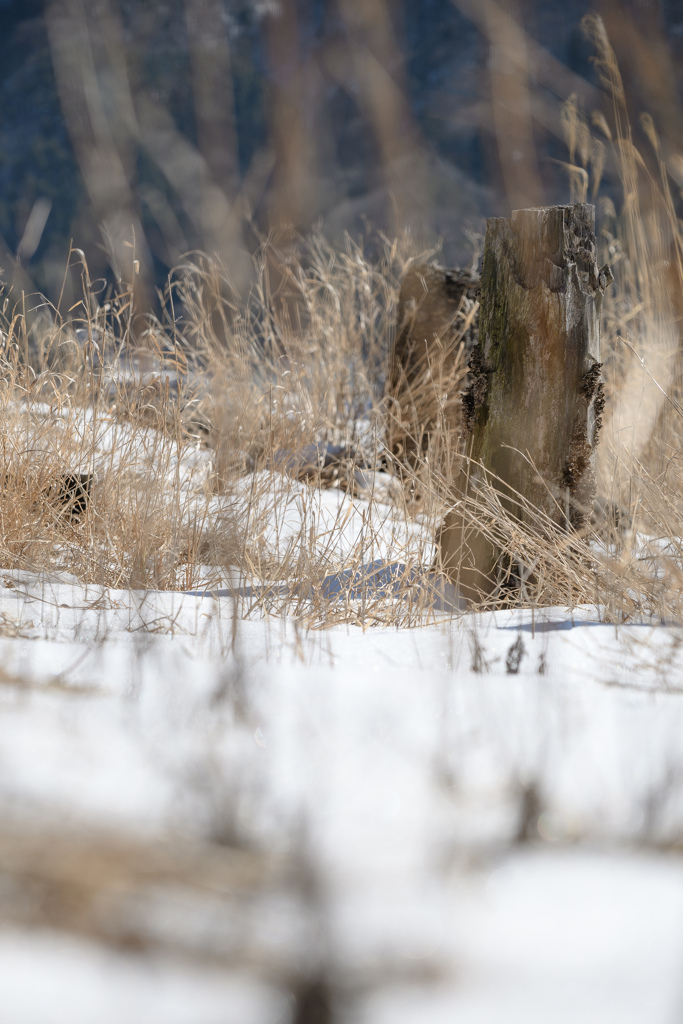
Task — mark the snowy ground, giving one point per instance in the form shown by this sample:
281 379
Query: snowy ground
477 820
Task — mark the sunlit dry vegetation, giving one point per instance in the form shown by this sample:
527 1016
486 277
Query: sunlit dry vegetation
239 438
203 432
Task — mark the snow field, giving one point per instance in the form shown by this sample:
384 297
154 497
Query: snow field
475 842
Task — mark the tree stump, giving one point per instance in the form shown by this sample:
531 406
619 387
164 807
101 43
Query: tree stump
533 406
436 331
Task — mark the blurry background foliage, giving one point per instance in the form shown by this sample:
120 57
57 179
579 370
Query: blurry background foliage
141 130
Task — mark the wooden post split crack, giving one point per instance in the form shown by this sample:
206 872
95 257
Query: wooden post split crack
532 409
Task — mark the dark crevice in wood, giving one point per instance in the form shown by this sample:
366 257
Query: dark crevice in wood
476 392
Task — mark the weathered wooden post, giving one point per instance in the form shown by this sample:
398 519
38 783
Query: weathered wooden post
436 330
533 406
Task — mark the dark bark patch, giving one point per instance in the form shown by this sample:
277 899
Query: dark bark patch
598 409
590 382
476 392
313 1003
578 459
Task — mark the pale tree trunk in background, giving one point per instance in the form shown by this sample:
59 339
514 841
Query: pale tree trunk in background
294 195
86 43
376 78
212 92
511 107
533 406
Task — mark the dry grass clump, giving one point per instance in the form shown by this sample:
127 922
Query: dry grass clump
71 423
223 440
